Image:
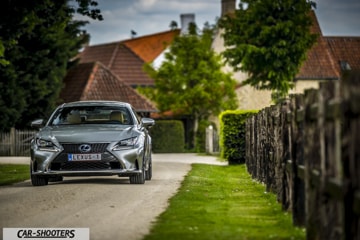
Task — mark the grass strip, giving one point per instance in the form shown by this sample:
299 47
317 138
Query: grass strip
223 202
13 173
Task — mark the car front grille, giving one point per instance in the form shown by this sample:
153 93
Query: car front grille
107 162
74 148
86 165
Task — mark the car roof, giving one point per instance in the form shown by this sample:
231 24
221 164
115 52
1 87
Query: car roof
95 103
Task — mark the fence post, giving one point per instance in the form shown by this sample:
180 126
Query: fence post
287 182
312 164
250 158
332 211
297 157
350 152
12 142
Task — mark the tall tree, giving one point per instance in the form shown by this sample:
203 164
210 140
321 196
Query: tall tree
190 80
3 61
269 40
39 39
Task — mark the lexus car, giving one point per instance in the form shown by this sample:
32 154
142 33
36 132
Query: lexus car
91 138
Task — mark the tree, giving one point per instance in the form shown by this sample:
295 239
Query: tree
269 40
39 40
190 80
173 25
3 62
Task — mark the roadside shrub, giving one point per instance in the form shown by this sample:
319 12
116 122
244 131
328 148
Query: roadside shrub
168 136
232 135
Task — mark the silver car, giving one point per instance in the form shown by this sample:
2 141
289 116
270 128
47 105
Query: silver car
91 138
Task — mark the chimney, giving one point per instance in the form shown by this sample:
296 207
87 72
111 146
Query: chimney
227 6
186 19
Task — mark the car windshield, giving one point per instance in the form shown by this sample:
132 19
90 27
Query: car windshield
91 115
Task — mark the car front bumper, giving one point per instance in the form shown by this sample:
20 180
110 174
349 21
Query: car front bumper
126 162
121 173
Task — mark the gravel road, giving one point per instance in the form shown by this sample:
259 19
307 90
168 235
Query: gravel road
109 206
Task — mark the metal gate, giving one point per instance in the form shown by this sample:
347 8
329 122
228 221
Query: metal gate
212 140
16 142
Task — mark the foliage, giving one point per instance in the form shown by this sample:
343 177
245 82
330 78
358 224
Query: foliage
173 25
39 39
223 202
3 62
232 135
190 80
167 136
269 40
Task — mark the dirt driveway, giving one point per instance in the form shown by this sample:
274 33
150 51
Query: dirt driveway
109 206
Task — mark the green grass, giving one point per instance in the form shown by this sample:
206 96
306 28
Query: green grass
13 173
223 202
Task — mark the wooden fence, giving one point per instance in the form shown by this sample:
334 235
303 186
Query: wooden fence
307 151
15 142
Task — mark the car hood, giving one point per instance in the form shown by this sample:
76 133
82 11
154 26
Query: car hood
87 133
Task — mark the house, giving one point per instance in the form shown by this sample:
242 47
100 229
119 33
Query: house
94 81
112 71
325 61
126 58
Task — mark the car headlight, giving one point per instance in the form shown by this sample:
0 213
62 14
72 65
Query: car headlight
125 144
46 145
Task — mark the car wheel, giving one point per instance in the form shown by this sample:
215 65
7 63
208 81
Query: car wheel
138 178
148 172
39 180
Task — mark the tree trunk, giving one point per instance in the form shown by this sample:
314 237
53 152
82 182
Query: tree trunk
195 129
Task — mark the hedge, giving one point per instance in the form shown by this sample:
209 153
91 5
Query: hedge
232 134
168 136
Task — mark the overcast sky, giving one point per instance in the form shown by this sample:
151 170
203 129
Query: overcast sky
336 17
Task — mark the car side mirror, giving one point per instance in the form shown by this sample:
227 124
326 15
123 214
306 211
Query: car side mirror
37 123
147 122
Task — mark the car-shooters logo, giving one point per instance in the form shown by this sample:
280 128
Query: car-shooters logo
46 233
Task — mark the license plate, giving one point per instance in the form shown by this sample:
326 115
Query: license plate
84 157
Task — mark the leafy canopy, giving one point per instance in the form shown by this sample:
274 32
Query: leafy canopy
38 39
190 80
269 40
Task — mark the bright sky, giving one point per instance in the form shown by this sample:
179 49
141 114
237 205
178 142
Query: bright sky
336 17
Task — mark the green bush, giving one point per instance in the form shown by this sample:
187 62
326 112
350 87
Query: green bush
168 136
232 135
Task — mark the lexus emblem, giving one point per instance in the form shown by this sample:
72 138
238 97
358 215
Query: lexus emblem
85 148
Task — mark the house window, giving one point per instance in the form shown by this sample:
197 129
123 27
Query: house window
344 65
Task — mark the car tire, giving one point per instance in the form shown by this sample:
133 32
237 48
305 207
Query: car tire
138 178
39 180
148 172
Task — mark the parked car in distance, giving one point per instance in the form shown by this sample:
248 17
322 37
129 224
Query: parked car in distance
91 138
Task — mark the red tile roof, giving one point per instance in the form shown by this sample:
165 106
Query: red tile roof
126 58
345 49
149 47
120 60
93 81
319 63
323 59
